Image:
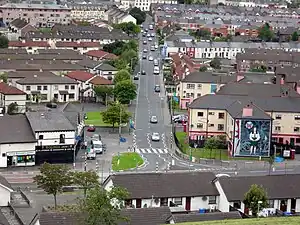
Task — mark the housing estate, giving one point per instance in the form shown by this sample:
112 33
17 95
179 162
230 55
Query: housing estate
88 11
115 16
144 5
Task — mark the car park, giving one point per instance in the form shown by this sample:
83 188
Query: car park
153 119
155 136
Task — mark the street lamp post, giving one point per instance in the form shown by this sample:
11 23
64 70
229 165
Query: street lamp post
120 121
258 204
85 161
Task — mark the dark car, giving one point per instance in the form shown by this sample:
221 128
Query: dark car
51 105
144 42
136 77
144 57
157 88
143 72
91 128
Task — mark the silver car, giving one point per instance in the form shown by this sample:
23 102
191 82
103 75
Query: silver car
150 58
153 119
155 137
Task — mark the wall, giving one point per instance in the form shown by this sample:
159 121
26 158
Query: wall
5 148
19 99
4 196
52 138
222 200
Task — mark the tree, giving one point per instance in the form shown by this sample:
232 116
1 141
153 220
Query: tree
12 108
295 36
138 14
215 63
85 179
115 47
203 69
131 57
125 91
103 92
103 207
4 42
121 76
3 77
114 112
129 28
201 33
265 32
53 178
119 64
255 199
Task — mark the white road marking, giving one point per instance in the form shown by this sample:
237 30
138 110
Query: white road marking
154 150
166 150
148 150
160 151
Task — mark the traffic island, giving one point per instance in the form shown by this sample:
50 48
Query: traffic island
126 161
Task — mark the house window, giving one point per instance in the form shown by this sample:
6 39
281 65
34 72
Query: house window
220 126
271 203
45 88
200 86
211 125
62 139
277 128
211 113
44 97
55 87
212 200
178 201
199 125
67 87
297 140
190 86
221 115
278 117
296 129
71 96
164 202
28 88
237 204
198 95
200 114
297 117
39 88
72 87
41 137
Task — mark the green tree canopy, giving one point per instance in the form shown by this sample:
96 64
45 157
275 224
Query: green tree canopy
256 198
295 36
12 108
85 179
3 77
125 91
4 42
103 91
203 69
113 112
129 28
138 14
121 76
215 63
201 33
266 33
131 57
102 207
53 178
118 47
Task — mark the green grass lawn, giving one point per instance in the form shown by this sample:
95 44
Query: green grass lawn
126 160
95 118
260 221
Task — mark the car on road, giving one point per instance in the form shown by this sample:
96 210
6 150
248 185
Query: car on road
143 72
155 62
144 42
152 35
144 57
156 70
153 119
136 77
145 50
157 88
51 105
97 147
155 136
141 26
144 34
146 30
150 58
152 48
91 128
96 137
156 46
149 39
148 35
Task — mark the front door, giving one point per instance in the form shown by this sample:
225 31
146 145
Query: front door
65 98
188 203
283 205
138 203
293 205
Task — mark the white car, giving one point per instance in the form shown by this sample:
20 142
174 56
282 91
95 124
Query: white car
155 62
145 50
152 35
153 119
149 39
148 35
156 46
155 137
150 58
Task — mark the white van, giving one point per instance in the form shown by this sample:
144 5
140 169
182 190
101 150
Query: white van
156 70
97 146
91 154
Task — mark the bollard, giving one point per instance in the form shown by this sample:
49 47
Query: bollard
156 167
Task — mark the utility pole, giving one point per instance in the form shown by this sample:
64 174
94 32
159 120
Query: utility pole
156 167
120 121
85 160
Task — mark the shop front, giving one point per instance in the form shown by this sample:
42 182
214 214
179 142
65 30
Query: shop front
26 158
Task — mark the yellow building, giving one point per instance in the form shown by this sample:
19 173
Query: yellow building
198 84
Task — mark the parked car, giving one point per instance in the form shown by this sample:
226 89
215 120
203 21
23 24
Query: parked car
153 119
144 42
51 105
148 35
91 128
144 57
149 39
143 72
96 137
97 147
145 50
135 77
155 137
157 88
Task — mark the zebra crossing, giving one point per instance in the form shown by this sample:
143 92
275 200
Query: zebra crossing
152 150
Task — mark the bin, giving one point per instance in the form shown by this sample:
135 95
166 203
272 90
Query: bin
201 211
293 152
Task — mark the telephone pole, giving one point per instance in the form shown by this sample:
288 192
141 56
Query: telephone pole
120 121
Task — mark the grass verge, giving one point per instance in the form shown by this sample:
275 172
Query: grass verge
126 161
95 118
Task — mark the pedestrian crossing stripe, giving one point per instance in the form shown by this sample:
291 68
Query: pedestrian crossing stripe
152 150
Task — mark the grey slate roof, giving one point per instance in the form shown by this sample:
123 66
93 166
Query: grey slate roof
15 129
106 67
49 121
18 23
197 217
269 104
207 77
148 185
276 186
51 79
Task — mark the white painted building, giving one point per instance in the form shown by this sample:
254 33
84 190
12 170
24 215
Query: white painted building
144 5
17 142
87 11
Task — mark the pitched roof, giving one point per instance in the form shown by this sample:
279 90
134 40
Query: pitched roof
197 217
97 80
17 130
78 44
101 54
147 185
106 67
52 79
207 77
10 90
18 23
49 121
80 75
44 44
51 218
276 186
